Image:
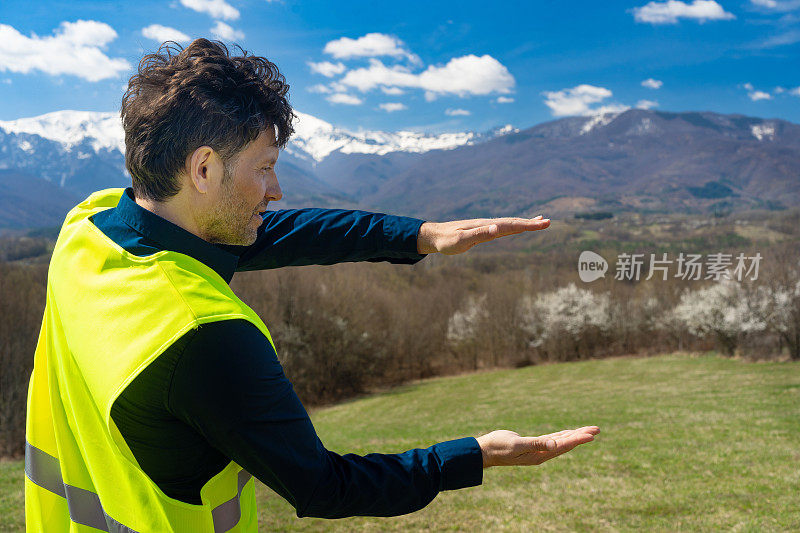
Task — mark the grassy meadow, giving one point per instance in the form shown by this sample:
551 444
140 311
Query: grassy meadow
692 443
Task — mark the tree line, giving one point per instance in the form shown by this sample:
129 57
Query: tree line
348 329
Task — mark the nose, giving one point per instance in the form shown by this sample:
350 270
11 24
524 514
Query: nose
274 192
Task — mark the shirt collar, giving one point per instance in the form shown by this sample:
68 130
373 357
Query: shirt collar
172 237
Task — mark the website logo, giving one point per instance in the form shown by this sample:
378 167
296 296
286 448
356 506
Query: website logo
591 266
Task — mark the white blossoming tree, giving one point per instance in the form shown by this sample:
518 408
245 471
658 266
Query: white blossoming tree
723 310
463 324
563 320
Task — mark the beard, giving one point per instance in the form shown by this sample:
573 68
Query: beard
231 221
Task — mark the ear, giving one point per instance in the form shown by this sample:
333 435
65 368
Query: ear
205 169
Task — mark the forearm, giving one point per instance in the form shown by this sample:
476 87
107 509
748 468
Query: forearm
295 237
392 484
279 446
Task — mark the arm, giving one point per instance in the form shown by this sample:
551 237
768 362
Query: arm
313 236
230 387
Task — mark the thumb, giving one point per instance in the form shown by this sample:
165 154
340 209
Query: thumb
539 444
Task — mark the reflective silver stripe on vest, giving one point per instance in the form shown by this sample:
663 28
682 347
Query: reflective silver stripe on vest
84 505
226 515
43 469
85 508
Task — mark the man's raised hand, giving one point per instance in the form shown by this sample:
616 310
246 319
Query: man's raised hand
459 236
506 448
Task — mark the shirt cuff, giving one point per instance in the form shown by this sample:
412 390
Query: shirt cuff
402 234
461 463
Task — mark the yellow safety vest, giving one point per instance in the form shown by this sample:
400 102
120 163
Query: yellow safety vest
108 315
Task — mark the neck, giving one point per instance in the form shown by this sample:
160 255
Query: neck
173 211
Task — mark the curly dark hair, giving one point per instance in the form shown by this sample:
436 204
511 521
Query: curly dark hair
181 99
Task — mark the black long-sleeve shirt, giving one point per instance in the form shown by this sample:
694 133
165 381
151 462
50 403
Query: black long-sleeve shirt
219 392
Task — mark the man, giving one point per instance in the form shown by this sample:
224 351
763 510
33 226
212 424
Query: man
157 394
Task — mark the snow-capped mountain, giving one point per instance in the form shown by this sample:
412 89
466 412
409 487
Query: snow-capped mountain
103 131
314 139
79 151
636 159
83 151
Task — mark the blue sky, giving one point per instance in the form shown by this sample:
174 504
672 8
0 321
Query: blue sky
428 66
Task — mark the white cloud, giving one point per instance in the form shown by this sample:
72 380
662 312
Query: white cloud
782 39
779 90
468 74
326 68
504 100
160 33
777 5
394 91
74 48
462 76
219 9
650 83
578 101
342 98
759 95
369 45
646 104
457 112
795 91
754 94
225 32
390 107
670 11
320 88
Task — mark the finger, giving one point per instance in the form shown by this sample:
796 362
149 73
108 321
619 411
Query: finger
480 234
594 430
478 222
558 433
585 429
538 444
501 228
474 223
570 441
518 226
564 445
546 456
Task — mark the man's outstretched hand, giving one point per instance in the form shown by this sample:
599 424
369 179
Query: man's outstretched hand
506 448
460 235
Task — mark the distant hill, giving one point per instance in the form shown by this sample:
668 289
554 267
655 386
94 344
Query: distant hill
637 160
28 201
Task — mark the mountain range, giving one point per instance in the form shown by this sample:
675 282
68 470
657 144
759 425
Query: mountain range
639 160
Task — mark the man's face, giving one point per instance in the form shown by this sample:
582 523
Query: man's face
244 193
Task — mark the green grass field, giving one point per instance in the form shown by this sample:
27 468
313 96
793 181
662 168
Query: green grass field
687 443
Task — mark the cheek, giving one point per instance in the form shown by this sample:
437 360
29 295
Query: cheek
258 188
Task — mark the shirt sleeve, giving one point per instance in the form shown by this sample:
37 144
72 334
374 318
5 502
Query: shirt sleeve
230 387
315 236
